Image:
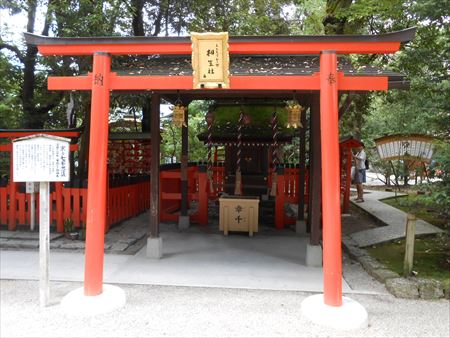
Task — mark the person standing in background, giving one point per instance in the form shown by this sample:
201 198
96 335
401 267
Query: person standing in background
360 172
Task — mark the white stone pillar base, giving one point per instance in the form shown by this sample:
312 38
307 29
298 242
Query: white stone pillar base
75 303
349 316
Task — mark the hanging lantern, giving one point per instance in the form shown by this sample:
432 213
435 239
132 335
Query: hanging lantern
179 112
294 110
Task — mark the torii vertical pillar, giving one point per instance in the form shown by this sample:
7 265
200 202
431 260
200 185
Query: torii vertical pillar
331 210
96 298
98 156
331 309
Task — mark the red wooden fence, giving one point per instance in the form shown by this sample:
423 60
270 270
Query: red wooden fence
170 194
130 199
287 192
70 203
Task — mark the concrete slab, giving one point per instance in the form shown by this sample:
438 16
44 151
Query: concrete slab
394 219
30 235
208 260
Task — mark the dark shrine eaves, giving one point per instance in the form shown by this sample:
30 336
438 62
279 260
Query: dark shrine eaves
304 65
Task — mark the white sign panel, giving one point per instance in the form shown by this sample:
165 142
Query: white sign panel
41 158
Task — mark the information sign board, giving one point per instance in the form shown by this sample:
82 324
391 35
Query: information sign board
41 158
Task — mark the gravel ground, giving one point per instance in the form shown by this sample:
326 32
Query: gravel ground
164 311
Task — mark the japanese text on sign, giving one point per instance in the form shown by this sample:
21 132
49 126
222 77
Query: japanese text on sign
41 158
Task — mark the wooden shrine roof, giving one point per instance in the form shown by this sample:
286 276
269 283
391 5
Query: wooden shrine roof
303 65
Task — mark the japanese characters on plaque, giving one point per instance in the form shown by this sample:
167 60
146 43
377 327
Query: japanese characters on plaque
239 211
210 60
41 158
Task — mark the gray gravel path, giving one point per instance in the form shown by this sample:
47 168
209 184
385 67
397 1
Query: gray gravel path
164 311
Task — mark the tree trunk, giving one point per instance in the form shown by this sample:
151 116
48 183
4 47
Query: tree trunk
33 118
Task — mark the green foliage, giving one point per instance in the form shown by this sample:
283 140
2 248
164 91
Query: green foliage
68 225
431 256
171 135
260 115
240 17
10 105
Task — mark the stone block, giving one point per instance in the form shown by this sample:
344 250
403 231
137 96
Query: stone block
355 253
300 227
154 248
447 290
430 289
403 288
348 241
370 263
313 255
382 275
183 222
120 246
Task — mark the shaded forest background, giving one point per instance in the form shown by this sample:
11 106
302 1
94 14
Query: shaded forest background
26 103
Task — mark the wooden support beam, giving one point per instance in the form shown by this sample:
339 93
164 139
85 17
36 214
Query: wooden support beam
302 167
237 82
184 167
315 179
154 166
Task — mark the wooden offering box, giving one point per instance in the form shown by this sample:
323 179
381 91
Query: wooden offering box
238 213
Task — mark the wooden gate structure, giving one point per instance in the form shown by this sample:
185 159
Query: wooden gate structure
321 86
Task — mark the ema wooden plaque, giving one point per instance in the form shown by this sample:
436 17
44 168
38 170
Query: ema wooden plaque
210 60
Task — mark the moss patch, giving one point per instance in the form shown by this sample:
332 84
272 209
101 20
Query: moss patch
431 256
420 206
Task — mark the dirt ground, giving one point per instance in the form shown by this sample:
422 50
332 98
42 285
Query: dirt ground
356 221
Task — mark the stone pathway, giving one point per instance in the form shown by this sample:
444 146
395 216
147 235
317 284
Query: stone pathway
394 221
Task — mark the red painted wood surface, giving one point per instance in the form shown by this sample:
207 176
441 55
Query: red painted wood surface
263 47
279 82
70 203
170 194
331 213
218 182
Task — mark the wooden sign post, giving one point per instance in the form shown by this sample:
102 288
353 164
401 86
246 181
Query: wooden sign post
44 159
32 188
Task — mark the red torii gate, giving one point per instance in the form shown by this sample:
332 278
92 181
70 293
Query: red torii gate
328 81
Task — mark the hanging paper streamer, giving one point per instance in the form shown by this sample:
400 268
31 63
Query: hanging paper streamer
237 185
274 122
294 110
209 121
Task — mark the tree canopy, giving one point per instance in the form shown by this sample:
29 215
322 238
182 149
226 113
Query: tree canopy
25 102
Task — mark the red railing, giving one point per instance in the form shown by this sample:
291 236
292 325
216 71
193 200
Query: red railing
170 194
128 199
218 182
125 201
287 192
